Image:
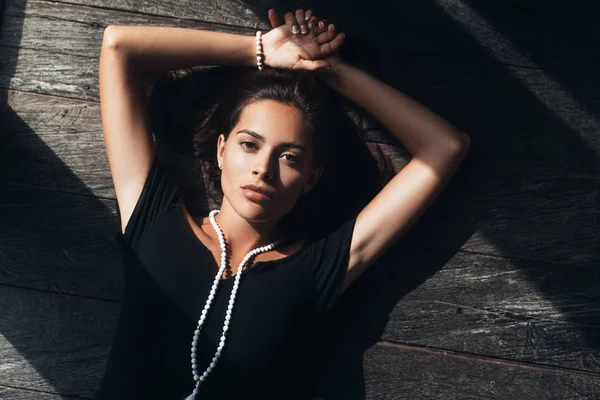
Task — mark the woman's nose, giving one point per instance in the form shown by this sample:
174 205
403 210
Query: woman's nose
264 168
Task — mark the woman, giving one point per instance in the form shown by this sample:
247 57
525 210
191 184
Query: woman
249 337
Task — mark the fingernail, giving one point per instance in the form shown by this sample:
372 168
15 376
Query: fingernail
321 24
271 9
332 26
295 29
303 29
306 17
310 25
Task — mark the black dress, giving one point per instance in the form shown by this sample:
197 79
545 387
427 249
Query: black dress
274 328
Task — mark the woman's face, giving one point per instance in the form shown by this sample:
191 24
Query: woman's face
269 149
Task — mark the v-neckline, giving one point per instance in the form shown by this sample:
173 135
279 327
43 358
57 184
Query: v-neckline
215 266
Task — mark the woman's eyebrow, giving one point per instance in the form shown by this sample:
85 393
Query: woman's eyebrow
295 145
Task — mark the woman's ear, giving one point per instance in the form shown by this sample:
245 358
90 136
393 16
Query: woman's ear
220 148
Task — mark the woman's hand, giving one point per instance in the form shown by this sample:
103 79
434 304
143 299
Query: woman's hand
303 42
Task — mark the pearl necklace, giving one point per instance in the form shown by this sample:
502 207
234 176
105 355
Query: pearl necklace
200 378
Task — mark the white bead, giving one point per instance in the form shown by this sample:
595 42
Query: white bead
227 318
205 374
196 377
202 379
212 364
209 369
226 328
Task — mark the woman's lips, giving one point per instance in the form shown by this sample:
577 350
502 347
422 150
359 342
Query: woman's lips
252 195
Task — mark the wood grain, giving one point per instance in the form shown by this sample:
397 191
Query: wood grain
78 30
393 372
502 308
8 393
60 242
513 114
54 343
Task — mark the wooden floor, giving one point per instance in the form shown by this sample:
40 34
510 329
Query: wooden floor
494 294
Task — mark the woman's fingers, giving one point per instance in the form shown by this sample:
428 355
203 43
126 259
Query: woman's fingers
301 21
333 45
328 35
323 25
274 18
290 21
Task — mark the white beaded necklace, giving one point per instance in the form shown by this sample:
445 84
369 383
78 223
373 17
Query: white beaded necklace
200 378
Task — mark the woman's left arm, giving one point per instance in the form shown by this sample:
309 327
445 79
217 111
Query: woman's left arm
437 149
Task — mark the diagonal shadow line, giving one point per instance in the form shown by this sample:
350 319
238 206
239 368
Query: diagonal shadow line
398 283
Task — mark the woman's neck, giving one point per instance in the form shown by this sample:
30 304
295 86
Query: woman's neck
242 236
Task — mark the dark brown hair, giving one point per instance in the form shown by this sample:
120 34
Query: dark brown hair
215 99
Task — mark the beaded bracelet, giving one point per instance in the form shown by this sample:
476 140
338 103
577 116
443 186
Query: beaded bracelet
260 56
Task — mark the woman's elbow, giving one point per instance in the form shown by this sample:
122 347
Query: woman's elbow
460 143
110 39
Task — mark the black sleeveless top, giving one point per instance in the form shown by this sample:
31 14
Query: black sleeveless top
273 340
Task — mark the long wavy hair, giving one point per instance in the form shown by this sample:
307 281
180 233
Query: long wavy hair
200 105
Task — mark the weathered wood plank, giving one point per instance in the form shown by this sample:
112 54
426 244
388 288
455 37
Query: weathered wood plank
477 32
77 30
523 211
509 309
60 242
8 393
54 143
513 114
400 372
54 343
233 13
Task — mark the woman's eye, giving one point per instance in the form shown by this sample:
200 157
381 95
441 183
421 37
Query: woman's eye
244 143
292 158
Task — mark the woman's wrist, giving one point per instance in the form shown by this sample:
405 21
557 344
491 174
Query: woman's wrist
333 76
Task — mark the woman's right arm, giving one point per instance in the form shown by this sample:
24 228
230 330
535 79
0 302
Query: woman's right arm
128 52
